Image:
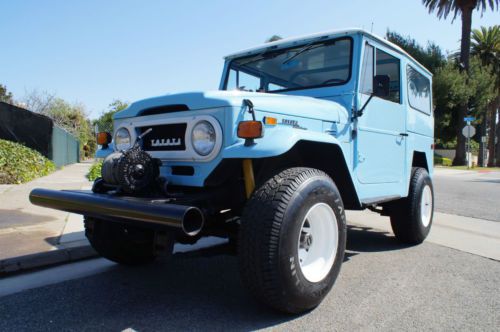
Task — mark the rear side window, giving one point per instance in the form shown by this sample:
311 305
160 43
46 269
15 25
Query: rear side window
419 91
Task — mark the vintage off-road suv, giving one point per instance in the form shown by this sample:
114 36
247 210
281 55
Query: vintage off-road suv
300 130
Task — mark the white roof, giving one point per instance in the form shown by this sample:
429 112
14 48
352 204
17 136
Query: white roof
298 40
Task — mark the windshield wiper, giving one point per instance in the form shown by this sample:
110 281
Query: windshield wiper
260 56
302 50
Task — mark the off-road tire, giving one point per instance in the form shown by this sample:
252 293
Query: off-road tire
268 242
406 213
120 243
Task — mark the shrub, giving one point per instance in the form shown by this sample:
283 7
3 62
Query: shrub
438 160
94 171
20 164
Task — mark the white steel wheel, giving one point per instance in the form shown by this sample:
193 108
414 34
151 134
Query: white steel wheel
317 242
426 206
411 217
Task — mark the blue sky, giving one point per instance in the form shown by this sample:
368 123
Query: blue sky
96 51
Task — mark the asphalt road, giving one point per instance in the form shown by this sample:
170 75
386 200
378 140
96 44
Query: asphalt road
468 193
382 286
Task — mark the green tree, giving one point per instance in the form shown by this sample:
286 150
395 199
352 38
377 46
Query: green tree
5 95
449 92
464 8
453 88
431 56
105 121
482 83
73 118
485 44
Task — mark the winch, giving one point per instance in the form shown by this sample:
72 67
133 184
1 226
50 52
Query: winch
132 171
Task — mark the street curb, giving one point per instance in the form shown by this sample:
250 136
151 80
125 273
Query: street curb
43 259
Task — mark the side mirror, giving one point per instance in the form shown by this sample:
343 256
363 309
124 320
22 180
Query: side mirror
381 85
380 89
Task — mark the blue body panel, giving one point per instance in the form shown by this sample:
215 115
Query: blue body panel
376 150
103 153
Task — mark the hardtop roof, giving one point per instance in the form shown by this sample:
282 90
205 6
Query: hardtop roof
304 39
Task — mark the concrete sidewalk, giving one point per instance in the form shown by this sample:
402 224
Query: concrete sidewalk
476 236
32 236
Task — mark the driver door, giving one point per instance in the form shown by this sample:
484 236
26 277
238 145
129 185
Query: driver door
380 145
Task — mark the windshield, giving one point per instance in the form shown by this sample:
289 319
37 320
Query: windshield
306 66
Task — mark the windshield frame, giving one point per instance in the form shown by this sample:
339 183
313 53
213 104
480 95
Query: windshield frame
298 47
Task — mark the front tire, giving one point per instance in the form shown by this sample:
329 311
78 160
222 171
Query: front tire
411 217
292 240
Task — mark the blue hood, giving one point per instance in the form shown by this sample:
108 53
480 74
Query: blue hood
296 106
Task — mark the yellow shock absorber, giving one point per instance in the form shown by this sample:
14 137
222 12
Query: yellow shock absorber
248 176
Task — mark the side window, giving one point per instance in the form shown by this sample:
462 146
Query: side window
419 91
248 82
239 80
274 87
390 66
367 71
232 80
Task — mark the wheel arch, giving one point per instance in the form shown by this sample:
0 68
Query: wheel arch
326 157
420 160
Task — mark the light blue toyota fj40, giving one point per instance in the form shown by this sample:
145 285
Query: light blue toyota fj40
300 130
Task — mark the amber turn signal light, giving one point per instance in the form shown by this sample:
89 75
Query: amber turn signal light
103 138
270 121
250 129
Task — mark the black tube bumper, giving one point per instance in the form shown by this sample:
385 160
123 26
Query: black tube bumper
188 219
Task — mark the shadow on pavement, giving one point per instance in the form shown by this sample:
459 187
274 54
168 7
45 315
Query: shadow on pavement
367 239
18 217
192 291
66 238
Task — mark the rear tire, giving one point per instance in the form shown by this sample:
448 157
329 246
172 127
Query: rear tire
292 240
120 243
411 217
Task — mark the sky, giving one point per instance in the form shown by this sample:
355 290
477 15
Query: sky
94 52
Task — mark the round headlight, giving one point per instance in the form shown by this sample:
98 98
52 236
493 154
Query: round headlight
123 141
203 138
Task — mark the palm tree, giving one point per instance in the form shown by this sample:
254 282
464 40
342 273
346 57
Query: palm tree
464 8
486 46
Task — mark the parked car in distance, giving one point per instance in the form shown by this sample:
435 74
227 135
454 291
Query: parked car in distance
300 130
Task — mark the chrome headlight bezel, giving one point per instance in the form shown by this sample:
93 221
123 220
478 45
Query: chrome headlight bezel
122 139
203 138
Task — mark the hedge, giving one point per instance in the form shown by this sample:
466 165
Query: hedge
94 171
439 160
20 164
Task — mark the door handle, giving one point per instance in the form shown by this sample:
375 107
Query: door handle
403 134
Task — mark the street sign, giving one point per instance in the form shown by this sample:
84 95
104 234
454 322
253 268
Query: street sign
469 119
483 139
469 131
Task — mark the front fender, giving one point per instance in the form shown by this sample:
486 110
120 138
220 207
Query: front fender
276 141
104 152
